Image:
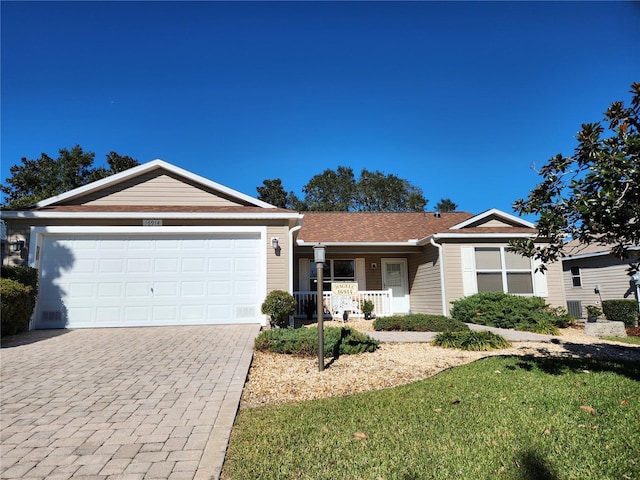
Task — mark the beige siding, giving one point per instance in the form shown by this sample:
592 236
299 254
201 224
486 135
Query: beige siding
607 272
454 287
278 261
155 189
424 282
494 223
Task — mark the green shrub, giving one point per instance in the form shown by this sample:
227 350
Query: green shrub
497 309
542 325
25 275
418 322
279 305
471 340
16 306
621 311
304 341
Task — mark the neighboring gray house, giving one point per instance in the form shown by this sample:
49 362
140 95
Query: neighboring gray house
592 274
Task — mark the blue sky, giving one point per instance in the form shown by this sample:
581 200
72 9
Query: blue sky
459 98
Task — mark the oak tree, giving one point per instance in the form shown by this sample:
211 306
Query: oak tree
594 195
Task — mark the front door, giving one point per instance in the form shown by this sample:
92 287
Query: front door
394 277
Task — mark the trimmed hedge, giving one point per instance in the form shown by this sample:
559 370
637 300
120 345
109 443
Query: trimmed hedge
621 311
472 340
18 291
25 275
418 322
304 341
15 299
497 309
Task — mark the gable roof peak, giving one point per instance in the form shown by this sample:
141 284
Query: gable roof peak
494 212
145 168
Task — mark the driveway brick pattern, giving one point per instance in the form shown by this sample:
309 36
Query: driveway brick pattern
122 403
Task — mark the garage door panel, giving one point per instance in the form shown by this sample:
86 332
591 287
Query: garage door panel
141 280
110 265
219 288
193 265
245 288
165 289
193 289
139 265
110 290
220 265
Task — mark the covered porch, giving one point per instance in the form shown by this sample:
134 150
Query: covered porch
307 304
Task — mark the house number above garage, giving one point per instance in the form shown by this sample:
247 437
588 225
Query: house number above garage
152 223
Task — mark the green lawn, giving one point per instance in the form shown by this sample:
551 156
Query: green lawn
631 340
500 417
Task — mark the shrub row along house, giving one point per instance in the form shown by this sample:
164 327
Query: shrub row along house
158 245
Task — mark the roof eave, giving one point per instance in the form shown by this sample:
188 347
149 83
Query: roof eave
601 253
155 215
302 243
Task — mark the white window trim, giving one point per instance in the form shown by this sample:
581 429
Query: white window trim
504 271
470 278
578 276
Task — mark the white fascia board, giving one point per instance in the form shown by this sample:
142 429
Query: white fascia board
182 215
593 254
142 230
146 167
438 236
478 235
496 212
301 243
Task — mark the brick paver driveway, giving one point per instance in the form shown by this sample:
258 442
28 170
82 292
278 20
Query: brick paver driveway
125 403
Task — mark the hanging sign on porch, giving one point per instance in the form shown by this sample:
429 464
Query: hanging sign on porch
343 296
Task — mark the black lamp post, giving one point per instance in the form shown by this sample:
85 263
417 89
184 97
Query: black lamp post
318 258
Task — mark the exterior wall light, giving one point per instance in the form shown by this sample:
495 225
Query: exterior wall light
275 243
318 253
17 246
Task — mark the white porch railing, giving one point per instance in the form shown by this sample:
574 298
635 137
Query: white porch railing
381 300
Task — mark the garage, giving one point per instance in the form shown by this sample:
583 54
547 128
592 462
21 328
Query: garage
138 279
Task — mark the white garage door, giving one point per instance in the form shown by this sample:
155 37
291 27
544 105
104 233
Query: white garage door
140 280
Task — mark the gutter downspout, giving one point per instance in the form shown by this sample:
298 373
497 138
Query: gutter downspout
291 232
442 286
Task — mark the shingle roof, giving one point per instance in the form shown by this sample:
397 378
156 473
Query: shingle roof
361 227
374 227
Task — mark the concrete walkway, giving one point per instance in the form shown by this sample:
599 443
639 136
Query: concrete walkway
126 404
423 337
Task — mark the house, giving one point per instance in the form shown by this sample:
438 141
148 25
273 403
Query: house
420 262
158 245
592 274
153 245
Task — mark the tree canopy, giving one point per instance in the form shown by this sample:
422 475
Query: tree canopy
339 191
274 193
594 195
446 205
34 180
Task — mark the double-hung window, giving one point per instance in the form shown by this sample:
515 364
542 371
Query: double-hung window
498 269
332 271
576 278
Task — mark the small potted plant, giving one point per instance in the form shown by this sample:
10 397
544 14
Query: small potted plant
367 307
593 313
